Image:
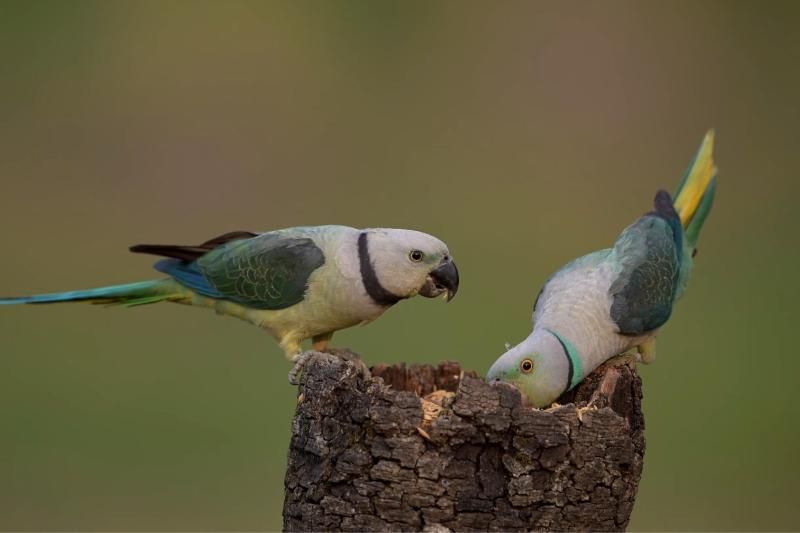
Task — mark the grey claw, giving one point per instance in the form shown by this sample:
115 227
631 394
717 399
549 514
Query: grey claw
299 363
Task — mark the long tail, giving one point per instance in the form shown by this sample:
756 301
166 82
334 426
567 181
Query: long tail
695 194
129 295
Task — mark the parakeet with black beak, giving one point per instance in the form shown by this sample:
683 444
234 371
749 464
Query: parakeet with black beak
615 300
297 283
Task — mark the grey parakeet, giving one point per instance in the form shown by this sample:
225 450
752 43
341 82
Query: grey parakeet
297 283
615 300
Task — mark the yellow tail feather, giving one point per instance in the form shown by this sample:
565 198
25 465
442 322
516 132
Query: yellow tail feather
697 179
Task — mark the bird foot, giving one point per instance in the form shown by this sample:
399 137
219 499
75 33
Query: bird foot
630 358
353 358
582 410
299 362
302 359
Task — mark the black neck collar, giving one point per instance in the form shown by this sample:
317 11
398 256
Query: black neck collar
376 291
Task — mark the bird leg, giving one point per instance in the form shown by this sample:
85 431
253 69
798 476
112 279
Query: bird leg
648 350
319 343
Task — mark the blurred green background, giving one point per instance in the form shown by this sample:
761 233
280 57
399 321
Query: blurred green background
524 134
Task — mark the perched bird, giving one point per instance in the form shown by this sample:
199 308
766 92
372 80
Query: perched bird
613 301
297 283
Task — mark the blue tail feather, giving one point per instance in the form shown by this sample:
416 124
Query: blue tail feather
126 293
188 274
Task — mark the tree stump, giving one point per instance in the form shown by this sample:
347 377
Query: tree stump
435 448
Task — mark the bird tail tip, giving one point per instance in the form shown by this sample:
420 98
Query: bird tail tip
697 181
129 294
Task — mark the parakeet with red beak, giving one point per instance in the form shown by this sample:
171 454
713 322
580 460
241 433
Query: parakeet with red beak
615 300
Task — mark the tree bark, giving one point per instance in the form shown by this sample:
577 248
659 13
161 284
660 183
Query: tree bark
434 448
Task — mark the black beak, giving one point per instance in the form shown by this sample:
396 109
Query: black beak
442 278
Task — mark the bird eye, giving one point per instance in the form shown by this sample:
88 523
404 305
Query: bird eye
526 366
416 256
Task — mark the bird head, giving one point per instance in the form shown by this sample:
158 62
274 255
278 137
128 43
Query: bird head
538 367
407 263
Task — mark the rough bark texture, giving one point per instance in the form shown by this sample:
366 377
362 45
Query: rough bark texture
397 451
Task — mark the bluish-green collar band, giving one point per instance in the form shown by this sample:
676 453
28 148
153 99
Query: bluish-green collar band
575 374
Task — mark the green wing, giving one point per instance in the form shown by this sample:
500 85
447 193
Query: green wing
645 287
270 271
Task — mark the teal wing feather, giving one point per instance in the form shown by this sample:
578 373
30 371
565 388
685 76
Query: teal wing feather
270 271
646 286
